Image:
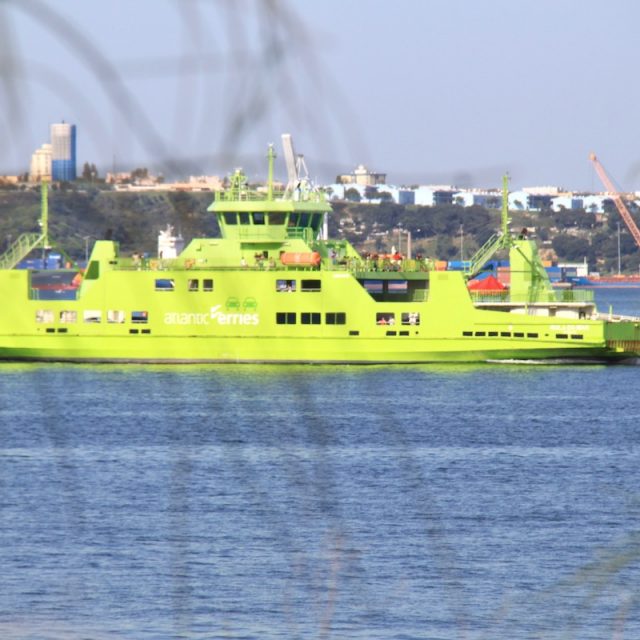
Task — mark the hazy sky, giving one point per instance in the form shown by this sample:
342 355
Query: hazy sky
427 91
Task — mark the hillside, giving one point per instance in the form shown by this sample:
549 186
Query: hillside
446 232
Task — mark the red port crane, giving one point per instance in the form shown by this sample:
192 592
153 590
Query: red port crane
617 198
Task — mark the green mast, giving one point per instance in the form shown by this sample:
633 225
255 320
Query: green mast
44 212
505 207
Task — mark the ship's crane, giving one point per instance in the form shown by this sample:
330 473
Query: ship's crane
617 198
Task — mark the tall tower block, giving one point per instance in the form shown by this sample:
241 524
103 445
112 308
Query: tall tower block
63 151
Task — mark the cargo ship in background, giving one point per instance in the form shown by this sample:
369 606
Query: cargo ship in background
275 289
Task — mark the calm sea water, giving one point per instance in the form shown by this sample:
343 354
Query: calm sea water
405 502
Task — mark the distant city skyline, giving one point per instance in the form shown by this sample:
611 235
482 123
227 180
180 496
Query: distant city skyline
439 92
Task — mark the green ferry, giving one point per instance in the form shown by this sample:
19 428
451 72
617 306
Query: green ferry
274 289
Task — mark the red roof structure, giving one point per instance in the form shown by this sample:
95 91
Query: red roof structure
487 285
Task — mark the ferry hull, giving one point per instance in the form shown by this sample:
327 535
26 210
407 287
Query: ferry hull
291 350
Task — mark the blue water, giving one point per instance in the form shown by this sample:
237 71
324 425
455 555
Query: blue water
458 502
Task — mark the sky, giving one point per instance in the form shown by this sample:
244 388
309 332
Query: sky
426 91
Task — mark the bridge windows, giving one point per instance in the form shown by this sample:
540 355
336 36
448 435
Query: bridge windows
230 218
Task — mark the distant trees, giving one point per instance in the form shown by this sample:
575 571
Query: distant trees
89 172
572 248
371 193
353 195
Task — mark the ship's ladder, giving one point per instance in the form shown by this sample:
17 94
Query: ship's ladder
483 254
20 249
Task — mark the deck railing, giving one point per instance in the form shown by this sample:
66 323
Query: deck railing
531 297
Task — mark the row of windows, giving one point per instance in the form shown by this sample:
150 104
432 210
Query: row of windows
206 284
410 318
305 285
193 284
311 318
518 334
273 218
47 316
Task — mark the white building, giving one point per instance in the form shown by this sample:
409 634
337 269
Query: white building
40 166
566 201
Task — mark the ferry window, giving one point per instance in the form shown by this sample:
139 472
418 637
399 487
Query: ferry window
385 318
392 333
310 285
576 336
316 220
412 318
534 335
518 334
336 318
467 333
258 218
304 220
354 333
293 219
92 316
397 286
285 285
373 286
165 284
404 333
561 336
207 284
230 218
116 317
277 217
480 334
140 317
493 334
505 334
309 318
44 316
193 284
244 217
285 318
68 317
